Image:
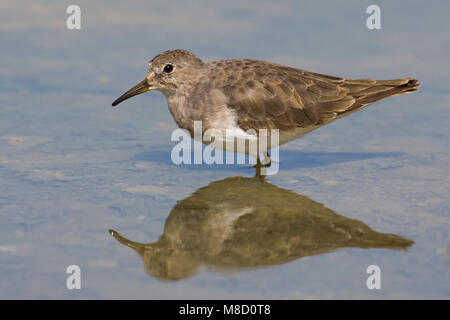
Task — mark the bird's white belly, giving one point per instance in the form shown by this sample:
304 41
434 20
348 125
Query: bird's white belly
237 140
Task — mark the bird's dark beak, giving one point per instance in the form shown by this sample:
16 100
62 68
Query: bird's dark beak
141 87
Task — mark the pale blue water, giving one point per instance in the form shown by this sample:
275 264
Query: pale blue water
71 168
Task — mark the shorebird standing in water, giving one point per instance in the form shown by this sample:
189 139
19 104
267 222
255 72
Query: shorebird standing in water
238 95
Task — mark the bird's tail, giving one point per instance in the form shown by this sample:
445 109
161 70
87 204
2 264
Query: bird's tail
367 91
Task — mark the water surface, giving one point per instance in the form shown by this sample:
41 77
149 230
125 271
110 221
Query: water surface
370 189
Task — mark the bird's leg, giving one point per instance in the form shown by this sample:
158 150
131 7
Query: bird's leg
266 163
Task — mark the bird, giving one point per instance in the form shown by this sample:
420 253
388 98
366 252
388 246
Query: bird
248 222
250 98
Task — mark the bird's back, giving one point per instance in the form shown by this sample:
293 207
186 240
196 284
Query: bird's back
271 96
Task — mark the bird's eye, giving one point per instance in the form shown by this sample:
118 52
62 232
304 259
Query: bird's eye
168 68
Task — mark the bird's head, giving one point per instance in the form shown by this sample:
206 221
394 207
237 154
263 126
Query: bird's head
169 72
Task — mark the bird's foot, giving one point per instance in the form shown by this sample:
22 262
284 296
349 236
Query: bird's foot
259 165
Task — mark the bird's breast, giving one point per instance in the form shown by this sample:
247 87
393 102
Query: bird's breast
183 114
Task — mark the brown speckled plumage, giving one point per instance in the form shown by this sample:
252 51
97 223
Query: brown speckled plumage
267 95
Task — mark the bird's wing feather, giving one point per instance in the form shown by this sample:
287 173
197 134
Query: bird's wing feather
271 96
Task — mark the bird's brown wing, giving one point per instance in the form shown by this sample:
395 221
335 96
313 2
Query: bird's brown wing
270 96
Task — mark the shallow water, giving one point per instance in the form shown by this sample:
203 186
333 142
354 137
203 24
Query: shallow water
370 189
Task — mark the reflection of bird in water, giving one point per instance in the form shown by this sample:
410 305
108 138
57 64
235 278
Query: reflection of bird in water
248 222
